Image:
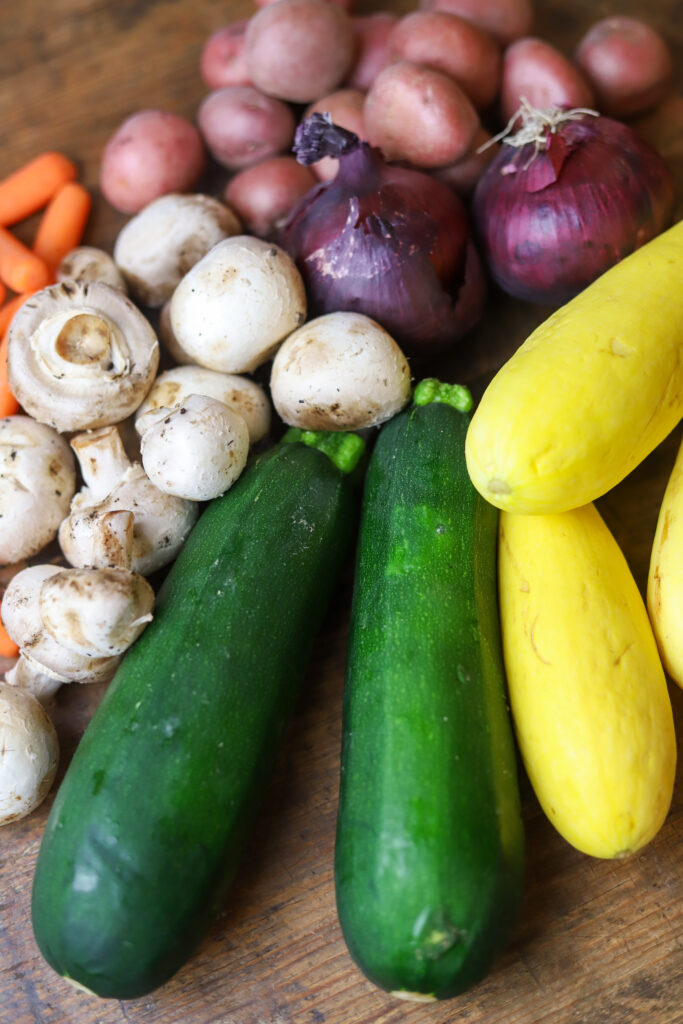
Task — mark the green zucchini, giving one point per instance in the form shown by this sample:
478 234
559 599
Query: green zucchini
430 846
150 822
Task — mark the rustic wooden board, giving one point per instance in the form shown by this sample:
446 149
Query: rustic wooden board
598 942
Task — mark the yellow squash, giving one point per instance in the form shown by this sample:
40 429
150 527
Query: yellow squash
590 393
588 693
665 579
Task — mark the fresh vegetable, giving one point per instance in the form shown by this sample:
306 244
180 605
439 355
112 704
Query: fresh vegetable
186 735
345 108
297 50
241 126
429 851
417 114
627 63
62 224
387 241
459 48
8 648
20 269
568 195
223 57
263 196
30 187
30 753
233 308
590 393
8 403
665 576
538 73
151 153
371 33
506 20
88 263
341 371
588 694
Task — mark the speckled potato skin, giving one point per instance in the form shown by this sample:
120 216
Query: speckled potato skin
665 578
590 393
588 693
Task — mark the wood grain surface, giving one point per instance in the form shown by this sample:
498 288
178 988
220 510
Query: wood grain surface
598 942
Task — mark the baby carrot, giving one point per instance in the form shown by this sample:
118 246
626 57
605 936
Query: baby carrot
8 648
8 403
9 309
3 294
21 269
33 184
62 224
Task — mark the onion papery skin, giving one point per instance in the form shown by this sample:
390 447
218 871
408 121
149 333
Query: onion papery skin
392 243
550 224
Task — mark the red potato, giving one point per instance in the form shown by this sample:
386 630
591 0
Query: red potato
153 153
223 58
420 115
298 50
263 195
463 175
241 126
371 33
346 5
345 107
505 20
534 69
628 64
453 45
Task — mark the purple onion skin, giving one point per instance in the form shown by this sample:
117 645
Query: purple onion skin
551 228
391 243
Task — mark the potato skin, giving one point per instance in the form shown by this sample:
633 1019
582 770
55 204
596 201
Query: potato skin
588 694
242 126
298 50
262 195
537 70
152 153
417 114
505 20
223 57
627 63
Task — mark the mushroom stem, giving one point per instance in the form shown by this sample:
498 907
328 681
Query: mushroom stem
102 459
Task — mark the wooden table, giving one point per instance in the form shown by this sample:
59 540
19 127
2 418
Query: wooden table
598 942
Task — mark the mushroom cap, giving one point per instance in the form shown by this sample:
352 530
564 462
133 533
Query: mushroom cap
81 356
233 309
158 246
340 371
29 753
87 263
161 523
32 678
242 395
37 482
198 450
96 612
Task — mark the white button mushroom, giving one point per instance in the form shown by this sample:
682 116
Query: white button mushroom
341 371
232 310
242 395
81 356
87 263
32 678
96 612
196 450
23 621
29 753
168 338
158 246
37 483
89 536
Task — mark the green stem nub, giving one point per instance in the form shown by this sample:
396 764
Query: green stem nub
432 390
344 449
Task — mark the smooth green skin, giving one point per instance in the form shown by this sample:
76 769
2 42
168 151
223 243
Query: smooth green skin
150 822
430 846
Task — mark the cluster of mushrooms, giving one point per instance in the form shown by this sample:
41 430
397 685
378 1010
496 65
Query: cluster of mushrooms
120 439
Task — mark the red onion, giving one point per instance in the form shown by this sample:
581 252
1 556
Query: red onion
576 194
387 241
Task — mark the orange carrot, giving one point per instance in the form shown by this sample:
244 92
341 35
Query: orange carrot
3 293
21 269
9 309
32 185
8 403
8 648
62 225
